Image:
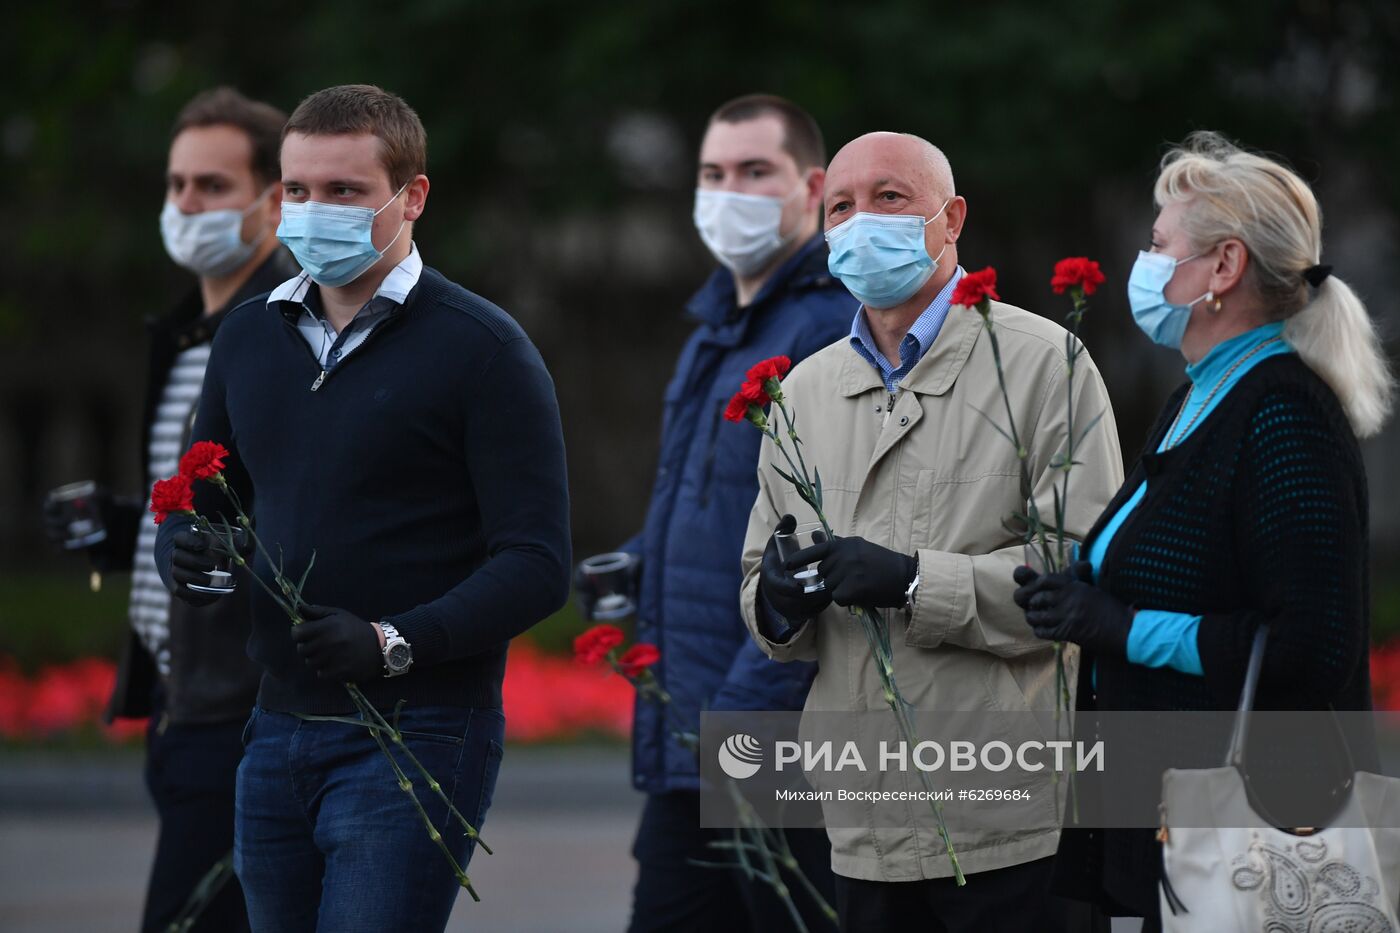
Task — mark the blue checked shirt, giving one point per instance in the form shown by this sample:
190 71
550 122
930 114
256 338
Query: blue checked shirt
915 343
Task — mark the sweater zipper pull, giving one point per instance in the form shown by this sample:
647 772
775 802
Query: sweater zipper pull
319 379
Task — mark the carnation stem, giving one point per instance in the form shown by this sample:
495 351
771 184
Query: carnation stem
290 601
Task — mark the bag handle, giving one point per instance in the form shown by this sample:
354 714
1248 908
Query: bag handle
1240 733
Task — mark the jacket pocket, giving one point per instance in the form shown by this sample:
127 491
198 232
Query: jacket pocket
921 509
967 515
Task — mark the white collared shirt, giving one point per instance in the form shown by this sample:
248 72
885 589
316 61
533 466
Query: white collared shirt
332 348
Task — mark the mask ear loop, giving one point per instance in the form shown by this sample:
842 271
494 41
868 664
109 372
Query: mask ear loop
257 241
931 220
394 198
398 233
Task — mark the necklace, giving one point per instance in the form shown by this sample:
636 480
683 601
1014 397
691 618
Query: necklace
1206 404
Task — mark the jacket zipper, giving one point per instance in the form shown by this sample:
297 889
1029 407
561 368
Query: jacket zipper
324 372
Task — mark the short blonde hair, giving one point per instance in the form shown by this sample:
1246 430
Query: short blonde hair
1229 193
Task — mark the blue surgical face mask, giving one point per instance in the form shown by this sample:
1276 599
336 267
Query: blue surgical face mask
881 258
1160 320
333 243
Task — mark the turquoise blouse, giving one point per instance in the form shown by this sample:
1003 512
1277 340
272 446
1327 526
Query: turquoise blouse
1168 639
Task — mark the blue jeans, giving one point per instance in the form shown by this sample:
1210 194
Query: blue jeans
324 838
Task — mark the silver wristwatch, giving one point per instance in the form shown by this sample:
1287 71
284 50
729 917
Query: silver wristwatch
913 590
398 654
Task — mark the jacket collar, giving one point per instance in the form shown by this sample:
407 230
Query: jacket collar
187 325
932 375
716 303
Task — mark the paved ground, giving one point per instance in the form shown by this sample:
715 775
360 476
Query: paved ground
76 838
77 834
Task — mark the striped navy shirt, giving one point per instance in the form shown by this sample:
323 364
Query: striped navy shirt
149 611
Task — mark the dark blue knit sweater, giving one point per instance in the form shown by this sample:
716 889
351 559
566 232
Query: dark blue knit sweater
426 473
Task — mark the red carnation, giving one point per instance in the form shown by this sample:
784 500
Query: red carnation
172 495
738 407
204 460
775 367
1076 271
754 393
638 658
593 645
974 288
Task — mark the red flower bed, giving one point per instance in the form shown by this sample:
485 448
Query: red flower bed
546 698
1385 675
549 697
58 699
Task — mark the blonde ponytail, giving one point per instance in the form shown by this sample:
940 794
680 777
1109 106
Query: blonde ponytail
1233 194
1334 335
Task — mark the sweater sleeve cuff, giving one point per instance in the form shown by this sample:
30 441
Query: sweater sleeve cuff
425 634
1165 639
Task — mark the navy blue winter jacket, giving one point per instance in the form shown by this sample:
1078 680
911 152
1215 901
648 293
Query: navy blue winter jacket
705 488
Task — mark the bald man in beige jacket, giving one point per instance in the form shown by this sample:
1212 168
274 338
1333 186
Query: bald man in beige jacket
918 485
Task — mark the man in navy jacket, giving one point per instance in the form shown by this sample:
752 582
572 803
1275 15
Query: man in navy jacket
757 207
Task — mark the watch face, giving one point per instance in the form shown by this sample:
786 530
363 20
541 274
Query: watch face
399 657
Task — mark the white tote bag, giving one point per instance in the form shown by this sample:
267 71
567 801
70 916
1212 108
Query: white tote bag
1225 869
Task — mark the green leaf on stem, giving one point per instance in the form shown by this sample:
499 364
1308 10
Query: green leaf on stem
993 423
301 584
1093 422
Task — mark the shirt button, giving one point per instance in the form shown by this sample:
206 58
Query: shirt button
335 354
878 409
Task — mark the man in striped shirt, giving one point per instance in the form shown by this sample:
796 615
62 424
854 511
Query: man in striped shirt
186 667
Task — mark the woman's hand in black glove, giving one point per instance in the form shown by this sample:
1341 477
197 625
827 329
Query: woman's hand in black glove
1067 606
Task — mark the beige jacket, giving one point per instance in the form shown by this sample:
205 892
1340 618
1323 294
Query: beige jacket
932 477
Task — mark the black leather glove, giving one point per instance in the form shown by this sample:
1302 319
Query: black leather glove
191 562
784 592
338 645
1067 606
859 573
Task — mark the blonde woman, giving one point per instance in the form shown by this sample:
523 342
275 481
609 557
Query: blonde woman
1248 505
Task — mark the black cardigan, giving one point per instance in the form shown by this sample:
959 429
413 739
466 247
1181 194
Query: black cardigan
1260 515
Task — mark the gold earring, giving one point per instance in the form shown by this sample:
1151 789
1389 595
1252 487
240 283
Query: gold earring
1217 307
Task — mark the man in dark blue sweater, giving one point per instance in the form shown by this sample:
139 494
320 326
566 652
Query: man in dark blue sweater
406 432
